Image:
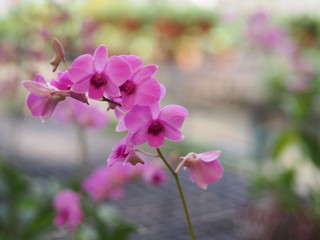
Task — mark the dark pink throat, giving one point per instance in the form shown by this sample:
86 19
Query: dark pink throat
155 127
128 87
98 80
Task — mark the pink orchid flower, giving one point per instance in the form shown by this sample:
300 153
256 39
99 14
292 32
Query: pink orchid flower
152 124
153 173
43 97
123 152
120 112
106 182
67 204
99 74
86 116
204 167
141 88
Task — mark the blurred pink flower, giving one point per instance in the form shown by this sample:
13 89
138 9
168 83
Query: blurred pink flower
153 173
99 74
204 167
262 31
152 124
67 204
86 116
107 182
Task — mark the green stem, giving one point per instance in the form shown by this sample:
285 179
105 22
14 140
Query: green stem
175 175
83 147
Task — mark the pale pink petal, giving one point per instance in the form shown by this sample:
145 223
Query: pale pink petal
156 141
173 115
163 91
96 93
140 136
134 62
145 72
148 92
128 101
172 133
35 104
82 69
204 173
40 79
36 88
155 109
121 126
111 89
138 116
81 87
100 57
209 156
118 70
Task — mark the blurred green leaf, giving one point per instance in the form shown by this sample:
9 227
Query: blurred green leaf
284 139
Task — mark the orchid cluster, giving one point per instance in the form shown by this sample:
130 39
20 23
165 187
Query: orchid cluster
134 94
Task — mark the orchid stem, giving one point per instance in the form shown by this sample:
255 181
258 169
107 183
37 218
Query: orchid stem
111 101
176 178
83 145
146 153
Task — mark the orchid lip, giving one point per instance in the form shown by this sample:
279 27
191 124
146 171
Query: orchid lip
155 127
128 87
98 80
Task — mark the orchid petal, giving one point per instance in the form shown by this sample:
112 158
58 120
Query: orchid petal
100 57
118 70
138 116
82 69
173 115
145 72
36 88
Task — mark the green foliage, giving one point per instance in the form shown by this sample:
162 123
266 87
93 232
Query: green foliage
24 214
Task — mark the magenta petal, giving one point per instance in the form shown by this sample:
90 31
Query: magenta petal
148 92
96 93
36 88
173 115
118 70
40 79
134 62
128 101
35 104
81 87
140 136
100 57
111 89
138 116
145 72
209 156
82 69
156 141
49 107
172 133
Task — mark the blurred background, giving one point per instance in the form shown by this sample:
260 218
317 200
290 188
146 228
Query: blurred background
249 74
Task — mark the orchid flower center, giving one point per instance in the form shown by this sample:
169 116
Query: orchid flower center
128 87
120 152
155 127
98 80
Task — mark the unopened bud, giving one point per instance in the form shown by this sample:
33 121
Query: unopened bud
58 56
133 158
